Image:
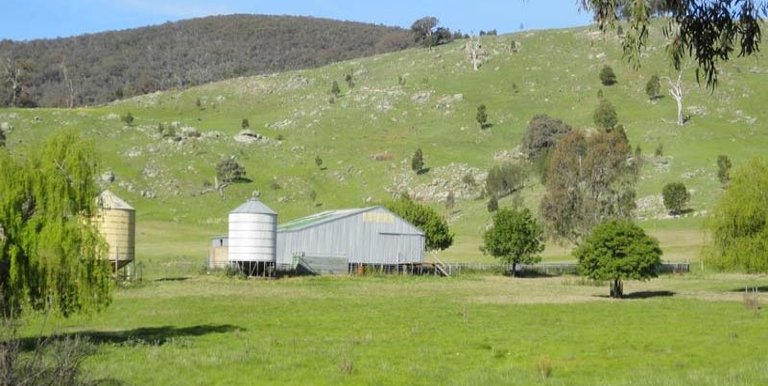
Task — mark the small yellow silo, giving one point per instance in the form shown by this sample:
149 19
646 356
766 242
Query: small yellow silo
116 220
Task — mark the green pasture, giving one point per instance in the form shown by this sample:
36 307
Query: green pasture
467 330
401 101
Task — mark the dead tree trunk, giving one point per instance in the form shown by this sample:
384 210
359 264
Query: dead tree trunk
475 52
68 83
676 90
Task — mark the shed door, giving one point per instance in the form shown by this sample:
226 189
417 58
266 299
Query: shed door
400 248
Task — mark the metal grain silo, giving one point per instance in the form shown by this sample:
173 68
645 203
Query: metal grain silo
116 220
252 233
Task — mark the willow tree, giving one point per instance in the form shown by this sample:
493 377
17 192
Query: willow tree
50 249
739 222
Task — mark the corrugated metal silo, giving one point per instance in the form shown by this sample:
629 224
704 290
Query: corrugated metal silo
116 220
252 232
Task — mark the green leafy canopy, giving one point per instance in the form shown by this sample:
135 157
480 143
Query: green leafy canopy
438 234
515 237
50 250
617 250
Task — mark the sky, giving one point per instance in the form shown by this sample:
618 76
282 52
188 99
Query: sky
36 19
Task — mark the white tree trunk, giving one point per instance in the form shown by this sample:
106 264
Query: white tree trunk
475 52
676 90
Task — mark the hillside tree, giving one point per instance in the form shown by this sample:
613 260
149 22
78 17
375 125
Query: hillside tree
16 73
228 171
482 116
417 161
514 238
675 196
423 30
676 90
710 32
335 90
605 116
542 134
618 250
607 76
438 235
738 223
50 249
723 169
591 179
504 179
653 88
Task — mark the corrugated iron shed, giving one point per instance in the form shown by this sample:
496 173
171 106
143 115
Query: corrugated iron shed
371 235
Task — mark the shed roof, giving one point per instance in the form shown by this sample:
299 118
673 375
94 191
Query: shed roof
320 218
108 200
330 216
254 206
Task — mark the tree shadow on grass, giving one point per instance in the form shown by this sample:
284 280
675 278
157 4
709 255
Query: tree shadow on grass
180 278
642 295
151 336
649 294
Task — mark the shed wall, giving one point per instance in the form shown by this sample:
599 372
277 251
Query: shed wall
372 237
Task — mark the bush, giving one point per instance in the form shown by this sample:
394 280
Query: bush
605 116
607 76
228 170
675 196
53 361
335 90
504 179
417 161
482 116
127 118
723 169
244 124
653 88
493 204
542 134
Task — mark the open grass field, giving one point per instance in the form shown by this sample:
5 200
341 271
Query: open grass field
465 330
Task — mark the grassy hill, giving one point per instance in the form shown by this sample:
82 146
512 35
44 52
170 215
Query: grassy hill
401 101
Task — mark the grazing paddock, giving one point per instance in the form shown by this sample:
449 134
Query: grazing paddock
470 329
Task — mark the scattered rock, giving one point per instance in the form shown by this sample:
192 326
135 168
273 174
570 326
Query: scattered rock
280 125
445 180
148 194
189 132
107 177
447 101
247 136
514 155
421 97
5 127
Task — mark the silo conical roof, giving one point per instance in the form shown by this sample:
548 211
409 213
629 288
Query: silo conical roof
254 206
108 200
